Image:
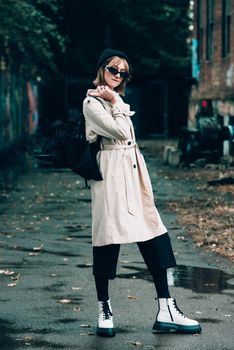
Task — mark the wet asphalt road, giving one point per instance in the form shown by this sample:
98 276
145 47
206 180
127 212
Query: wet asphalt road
47 295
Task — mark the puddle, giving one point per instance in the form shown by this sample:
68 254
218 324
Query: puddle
14 166
56 287
14 338
197 279
67 320
6 342
77 228
85 266
79 236
86 200
11 171
64 254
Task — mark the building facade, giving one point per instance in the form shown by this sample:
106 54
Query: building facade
212 60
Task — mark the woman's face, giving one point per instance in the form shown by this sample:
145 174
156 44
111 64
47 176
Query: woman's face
114 80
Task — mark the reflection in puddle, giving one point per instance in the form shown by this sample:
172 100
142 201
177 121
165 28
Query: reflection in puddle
197 279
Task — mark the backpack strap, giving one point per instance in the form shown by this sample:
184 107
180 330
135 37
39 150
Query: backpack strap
96 98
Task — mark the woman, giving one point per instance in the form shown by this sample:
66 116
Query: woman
123 209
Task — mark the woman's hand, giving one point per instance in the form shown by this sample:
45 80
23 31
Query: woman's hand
104 92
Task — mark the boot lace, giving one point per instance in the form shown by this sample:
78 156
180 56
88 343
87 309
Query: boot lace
106 310
177 309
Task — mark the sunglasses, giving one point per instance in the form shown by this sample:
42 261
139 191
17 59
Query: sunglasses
115 71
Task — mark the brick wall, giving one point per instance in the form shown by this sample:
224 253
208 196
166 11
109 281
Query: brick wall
216 80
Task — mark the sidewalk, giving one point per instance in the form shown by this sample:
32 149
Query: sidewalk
47 291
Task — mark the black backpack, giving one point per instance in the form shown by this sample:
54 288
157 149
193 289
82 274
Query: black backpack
71 149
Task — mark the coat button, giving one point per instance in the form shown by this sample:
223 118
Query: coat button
129 143
134 166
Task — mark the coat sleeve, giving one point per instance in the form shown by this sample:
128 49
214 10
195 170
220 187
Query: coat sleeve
105 124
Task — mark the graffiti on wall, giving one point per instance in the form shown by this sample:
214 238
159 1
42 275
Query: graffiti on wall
32 116
18 109
195 64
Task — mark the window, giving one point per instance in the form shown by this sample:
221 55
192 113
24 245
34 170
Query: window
199 31
226 25
209 28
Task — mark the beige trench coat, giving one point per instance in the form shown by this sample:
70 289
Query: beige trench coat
123 209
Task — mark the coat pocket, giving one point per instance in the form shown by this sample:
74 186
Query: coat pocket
130 190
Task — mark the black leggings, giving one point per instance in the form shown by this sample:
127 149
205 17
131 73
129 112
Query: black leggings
160 282
157 254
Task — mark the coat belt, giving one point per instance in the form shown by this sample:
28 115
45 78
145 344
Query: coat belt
117 146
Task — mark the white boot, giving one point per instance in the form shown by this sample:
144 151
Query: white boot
105 326
170 318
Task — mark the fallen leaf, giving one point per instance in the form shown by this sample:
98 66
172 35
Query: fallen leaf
16 278
38 249
65 301
11 285
76 308
7 272
136 343
28 338
132 297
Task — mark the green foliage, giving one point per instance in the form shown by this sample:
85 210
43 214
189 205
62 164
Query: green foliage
152 32
29 36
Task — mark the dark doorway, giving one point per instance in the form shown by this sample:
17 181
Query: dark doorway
154 109
75 92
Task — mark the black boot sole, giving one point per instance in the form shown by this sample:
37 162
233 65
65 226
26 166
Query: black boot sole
164 327
105 332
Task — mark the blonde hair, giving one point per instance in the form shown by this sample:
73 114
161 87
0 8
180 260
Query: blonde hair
100 80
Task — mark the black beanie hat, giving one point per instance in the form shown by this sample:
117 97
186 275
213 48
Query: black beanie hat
108 53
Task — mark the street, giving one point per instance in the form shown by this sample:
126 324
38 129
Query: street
47 293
